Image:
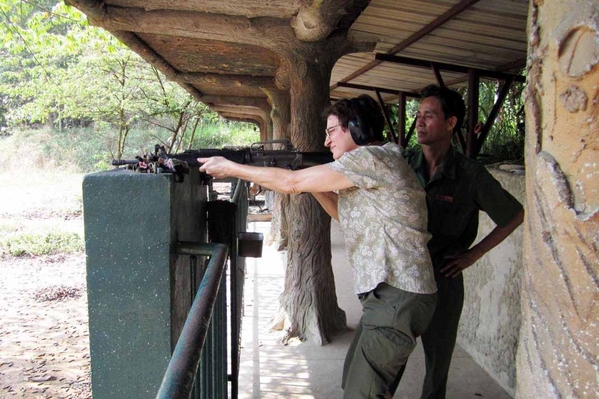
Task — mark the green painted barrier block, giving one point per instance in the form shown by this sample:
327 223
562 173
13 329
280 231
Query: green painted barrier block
135 284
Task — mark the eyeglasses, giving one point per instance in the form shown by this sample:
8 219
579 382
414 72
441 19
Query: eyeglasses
328 130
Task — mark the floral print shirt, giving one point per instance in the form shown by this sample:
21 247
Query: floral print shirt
384 220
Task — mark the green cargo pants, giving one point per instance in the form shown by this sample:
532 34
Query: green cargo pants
384 339
439 339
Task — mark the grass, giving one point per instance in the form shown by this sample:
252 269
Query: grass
49 243
40 212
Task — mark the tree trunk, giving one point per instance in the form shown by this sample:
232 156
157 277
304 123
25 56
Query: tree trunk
558 352
309 307
279 227
281 117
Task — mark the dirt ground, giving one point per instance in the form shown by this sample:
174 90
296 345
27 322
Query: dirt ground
44 335
44 339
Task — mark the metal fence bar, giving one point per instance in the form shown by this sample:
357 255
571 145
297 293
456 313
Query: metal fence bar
237 275
180 374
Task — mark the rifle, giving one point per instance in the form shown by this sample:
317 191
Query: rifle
255 155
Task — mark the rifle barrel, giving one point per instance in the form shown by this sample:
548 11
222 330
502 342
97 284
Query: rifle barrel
121 162
288 159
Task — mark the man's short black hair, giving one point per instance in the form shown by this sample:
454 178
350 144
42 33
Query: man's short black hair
452 103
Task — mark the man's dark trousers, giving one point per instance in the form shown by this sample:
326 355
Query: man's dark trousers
439 339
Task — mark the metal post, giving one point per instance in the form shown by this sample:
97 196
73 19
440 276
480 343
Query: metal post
401 120
473 92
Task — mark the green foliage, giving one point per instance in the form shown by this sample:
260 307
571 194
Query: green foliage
226 133
39 40
85 150
411 109
505 140
57 70
40 244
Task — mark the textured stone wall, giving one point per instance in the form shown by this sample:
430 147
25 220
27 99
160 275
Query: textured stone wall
490 322
558 354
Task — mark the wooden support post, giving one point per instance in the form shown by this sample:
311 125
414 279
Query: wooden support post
438 76
493 114
473 93
412 128
401 120
461 140
384 109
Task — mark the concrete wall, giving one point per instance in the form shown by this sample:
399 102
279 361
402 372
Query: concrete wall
490 323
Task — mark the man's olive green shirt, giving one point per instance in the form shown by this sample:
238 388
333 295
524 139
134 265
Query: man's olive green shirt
455 193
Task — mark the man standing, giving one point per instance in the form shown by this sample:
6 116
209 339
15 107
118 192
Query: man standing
457 187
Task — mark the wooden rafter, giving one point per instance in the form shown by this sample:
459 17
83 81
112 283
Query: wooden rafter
518 64
447 67
380 89
438 76
473 94
433 25
401 120
386 114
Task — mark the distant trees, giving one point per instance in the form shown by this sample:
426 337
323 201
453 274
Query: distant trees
57 70
505 140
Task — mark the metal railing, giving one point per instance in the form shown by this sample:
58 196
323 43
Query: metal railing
198 365
181 372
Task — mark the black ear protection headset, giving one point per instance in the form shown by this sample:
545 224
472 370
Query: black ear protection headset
359 128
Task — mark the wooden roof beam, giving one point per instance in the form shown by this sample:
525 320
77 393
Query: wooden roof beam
438 76
315 22
264 32
237 118
386 114
261 109
447 67
312 21
435 24
379 89
140 47
251 9
226 81
240 116
240 110
258 102
518 64
262 115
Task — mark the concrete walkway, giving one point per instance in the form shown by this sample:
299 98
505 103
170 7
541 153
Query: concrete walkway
272 370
